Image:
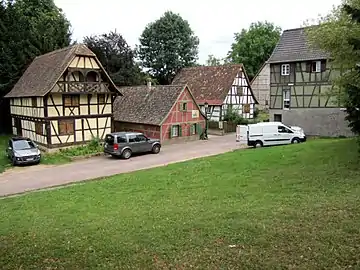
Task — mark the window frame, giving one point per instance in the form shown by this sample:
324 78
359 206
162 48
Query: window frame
315 67
183 106
102 97
285 70
177 129
286 107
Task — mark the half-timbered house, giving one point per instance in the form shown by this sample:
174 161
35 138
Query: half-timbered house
64 98
166 112
300 87
260 86
222 87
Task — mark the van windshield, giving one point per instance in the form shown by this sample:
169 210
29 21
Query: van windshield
109 139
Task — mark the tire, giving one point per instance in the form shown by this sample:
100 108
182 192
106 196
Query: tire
258 144
126 154
295 140
13 162
156 149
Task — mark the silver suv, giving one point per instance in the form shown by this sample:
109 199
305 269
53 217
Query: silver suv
124 144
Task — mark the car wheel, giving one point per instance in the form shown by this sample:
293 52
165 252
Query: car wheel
258 144
156 149
295 140
126 154
13 161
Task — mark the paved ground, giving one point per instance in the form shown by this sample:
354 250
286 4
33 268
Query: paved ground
38 177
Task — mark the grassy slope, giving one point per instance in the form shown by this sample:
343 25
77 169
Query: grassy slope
283 207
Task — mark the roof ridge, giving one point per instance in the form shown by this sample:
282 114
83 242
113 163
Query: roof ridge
300 28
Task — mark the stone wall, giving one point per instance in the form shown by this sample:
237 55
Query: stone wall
329 122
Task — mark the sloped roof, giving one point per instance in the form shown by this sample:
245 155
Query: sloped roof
45 71
294 46
146 105
210 83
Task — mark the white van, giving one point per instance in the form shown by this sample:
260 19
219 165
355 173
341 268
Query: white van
269 133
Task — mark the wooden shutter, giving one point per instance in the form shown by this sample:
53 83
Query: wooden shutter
67 101
75 100
323 65
62 127
192 128
70 127
170 132
308 67
180 131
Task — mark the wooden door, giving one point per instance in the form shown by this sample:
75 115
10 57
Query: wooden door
18 127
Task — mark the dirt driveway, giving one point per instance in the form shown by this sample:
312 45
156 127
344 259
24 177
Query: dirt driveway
38 177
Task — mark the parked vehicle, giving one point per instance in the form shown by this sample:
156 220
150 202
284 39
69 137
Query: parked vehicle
269 133
124 144
22 150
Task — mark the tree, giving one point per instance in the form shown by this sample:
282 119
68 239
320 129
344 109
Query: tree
213 61
166 46
254 46
339 34
117 58
28 28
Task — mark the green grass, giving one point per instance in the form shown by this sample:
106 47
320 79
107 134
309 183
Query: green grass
59 157
291 207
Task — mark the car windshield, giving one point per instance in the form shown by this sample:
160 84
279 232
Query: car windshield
23 144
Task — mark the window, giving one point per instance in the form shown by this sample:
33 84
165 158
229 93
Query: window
266 102
193 129
246 108
39 128
285 69
71 100
282 129
140 138
121 139
316 66
66 127
132 138
175 131
34 102
183 106
109 139
286 98
101 98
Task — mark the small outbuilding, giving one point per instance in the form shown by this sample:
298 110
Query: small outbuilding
166 112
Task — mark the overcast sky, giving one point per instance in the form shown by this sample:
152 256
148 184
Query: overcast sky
214 22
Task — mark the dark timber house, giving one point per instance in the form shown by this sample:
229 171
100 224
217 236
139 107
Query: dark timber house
64 98
300 80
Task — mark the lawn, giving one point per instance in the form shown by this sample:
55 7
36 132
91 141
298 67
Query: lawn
291 207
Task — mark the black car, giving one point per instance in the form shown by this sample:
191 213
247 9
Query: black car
22 150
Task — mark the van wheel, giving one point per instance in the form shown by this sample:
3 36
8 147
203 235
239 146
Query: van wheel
156 149
258 144
126 154
295 140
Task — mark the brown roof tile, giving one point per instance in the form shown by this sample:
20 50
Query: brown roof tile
209 83
141 104
45 70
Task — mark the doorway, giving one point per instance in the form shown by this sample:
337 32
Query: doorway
18 126
277 118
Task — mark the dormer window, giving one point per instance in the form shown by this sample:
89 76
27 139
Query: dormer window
316 66
285 69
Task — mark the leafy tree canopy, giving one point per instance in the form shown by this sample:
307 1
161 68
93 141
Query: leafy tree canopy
166 46
29 28
339 34
213 61
253 46
117 57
